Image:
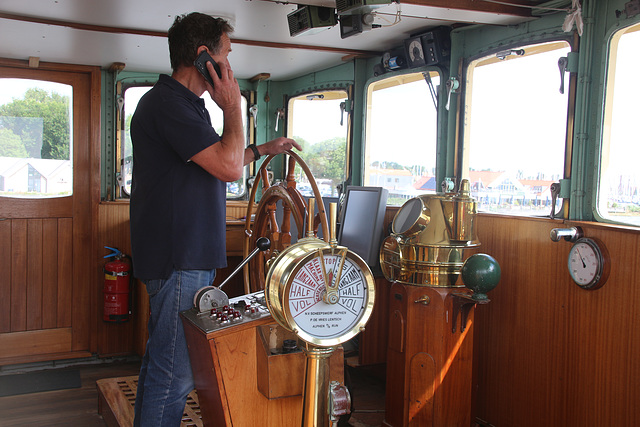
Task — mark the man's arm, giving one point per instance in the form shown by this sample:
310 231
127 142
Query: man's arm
225 159
275 146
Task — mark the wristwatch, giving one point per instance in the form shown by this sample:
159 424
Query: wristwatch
256 153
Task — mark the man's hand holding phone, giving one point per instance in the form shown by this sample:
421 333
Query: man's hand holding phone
201 65
224 89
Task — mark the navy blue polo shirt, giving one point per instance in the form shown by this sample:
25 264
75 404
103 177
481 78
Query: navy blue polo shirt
178 210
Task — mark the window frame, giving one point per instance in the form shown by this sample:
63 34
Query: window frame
120 129
603 140
347 115
34 177
405 76
461 142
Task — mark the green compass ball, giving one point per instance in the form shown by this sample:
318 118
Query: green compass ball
480 273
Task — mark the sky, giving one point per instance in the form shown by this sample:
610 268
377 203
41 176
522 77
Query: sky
518 119
403 124
314 130
11 89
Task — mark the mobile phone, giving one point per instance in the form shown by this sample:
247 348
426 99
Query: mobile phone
201 65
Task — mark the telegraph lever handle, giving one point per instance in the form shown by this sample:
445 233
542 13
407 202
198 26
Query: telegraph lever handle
262 244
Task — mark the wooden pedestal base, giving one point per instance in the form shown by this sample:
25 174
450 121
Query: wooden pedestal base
225 369
429 365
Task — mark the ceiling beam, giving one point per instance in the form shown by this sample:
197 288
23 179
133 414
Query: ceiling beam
150 33
505 7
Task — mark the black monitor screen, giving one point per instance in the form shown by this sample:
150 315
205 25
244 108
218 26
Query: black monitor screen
363 221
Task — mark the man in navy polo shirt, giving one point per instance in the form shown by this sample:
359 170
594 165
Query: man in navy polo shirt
181 167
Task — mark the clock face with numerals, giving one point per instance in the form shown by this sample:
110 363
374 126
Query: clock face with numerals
302 304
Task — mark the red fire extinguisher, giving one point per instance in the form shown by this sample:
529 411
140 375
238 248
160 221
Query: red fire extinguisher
116 289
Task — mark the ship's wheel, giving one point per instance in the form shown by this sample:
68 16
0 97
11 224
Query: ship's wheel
265 223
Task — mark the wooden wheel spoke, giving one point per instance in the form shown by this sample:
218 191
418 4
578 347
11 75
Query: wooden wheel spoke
264 175
265 223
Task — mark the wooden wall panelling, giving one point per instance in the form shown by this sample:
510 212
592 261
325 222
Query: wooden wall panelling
65 276
49 273
526 256
546 351
86 195
18 275
34 274
5 276
113 231
237 210
605 342
35 343
41 290
373 341
36 289
127 337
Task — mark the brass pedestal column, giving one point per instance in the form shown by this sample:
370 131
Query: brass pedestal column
315 408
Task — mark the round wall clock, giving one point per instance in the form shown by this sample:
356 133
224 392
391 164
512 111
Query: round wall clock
588 263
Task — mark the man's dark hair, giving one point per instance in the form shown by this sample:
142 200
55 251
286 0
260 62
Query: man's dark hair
188 32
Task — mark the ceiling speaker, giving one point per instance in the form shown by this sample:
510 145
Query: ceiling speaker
310 20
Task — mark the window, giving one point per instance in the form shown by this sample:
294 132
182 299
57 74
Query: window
619 189
132 95
401 134
318 122
36 143
515 129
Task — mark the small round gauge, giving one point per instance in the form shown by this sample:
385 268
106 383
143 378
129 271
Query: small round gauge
588 263
325 295
415 51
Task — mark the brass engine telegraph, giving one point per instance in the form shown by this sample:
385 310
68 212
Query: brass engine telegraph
324 293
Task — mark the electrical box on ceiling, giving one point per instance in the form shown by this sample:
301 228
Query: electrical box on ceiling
310 20
428 48
348 7
350 25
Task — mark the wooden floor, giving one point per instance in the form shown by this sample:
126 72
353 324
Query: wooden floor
79 407
72 407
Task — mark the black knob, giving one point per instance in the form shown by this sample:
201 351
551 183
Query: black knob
263 243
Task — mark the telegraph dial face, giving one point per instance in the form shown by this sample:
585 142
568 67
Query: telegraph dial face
302 303
317 318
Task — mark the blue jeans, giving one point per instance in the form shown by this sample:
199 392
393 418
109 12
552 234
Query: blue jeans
165 375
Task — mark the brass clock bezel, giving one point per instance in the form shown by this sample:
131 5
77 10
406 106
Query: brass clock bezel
280 279
601 258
